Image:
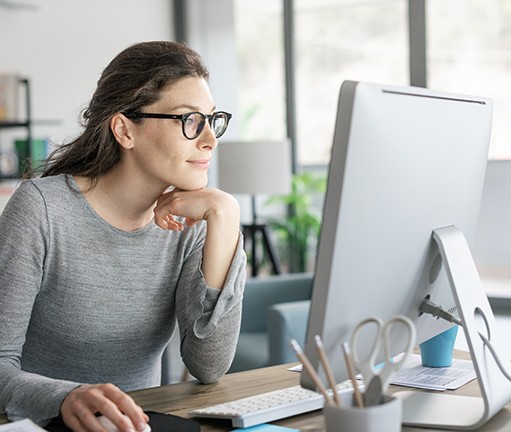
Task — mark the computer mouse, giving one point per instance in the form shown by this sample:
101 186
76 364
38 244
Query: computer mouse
110 427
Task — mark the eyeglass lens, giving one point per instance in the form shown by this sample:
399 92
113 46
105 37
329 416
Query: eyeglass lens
193 124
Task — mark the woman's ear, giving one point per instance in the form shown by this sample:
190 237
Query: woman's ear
120 126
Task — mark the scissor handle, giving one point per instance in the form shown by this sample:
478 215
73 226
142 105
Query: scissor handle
392 364
367 365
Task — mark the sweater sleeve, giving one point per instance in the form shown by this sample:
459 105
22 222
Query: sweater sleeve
209 318
23 241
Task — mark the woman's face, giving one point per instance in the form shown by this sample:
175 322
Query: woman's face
161 153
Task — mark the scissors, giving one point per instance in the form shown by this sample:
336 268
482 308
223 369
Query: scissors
377 376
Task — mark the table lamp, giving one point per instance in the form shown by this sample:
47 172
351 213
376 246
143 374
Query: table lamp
255 167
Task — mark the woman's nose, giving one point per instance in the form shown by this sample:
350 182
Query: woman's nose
207 137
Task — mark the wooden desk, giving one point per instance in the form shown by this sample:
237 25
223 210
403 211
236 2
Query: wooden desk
180 398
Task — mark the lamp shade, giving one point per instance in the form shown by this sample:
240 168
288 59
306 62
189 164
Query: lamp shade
254 167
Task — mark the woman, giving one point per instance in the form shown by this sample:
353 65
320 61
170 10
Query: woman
116 240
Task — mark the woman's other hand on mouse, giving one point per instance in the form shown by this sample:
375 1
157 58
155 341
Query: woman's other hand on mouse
80 407
110 427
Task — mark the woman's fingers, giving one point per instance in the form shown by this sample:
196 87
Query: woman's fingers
80 408
133 418
193 205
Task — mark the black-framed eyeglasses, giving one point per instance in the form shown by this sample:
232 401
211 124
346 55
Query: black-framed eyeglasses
193 122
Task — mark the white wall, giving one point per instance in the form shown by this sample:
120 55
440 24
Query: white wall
211 33
62 46
492 248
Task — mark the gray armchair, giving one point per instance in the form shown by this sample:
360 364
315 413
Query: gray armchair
286 321
275 309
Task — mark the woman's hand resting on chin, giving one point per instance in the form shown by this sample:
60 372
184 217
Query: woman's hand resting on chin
194 205
222 213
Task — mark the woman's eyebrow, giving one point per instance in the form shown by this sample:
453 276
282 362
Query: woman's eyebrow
184 106
190 107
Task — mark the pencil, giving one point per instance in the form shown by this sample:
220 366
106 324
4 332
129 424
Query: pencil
311 371
351 373
328 369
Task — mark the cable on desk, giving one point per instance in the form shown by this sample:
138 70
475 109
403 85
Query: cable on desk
495 356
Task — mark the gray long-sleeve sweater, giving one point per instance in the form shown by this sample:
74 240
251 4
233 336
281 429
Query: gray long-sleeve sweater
84 302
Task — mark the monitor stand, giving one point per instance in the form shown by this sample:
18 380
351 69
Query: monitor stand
447 411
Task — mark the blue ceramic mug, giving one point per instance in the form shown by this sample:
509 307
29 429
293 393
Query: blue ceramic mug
437 351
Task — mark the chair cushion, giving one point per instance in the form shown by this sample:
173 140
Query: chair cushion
286 321
262 292
252 352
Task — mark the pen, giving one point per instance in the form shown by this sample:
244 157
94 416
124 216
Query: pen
351 373
328 369
310 370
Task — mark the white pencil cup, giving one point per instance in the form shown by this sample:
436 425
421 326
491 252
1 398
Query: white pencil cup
385 417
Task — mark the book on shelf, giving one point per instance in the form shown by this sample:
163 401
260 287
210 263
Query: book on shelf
9 83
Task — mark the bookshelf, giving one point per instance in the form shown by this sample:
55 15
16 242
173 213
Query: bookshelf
26 123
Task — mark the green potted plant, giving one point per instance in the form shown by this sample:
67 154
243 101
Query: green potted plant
301 225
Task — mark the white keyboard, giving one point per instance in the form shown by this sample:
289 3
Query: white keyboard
270 406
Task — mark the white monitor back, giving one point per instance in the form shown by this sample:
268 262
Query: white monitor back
404 161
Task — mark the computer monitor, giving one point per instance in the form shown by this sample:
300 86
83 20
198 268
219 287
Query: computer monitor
405 161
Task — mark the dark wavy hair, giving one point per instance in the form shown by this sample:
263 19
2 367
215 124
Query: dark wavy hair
132 80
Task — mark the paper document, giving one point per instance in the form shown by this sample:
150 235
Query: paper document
413 374
21 426
266 428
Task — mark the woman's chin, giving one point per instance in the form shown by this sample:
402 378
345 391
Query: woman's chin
191 186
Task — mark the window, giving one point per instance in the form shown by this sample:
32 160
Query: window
261 88
339 40
334 41
469 51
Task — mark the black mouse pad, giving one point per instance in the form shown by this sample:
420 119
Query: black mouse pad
159 422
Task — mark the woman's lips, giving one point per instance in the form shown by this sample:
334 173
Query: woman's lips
204 163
